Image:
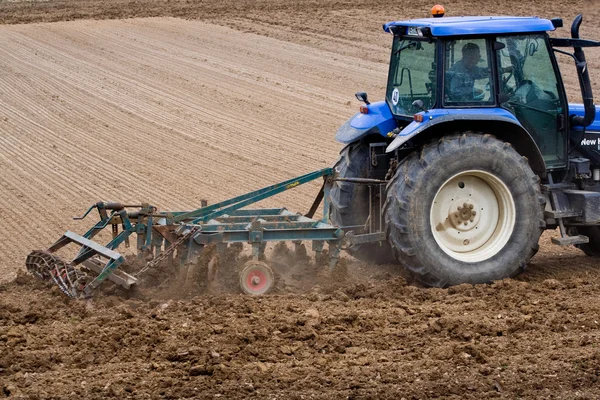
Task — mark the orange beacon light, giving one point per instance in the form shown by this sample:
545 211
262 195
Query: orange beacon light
438 11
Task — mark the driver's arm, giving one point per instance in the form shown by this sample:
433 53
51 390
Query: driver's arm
461 87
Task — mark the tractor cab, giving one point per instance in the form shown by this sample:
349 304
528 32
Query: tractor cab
485 65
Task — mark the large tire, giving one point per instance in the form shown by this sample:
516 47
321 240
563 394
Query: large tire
492 237
349 202
592 248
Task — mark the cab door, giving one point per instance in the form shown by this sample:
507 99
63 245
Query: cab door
531 89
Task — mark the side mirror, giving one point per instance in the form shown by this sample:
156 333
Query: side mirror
362 96
557 22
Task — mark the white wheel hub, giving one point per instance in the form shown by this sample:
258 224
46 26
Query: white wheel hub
472 216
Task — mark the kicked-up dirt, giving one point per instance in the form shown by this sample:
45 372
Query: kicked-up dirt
207 100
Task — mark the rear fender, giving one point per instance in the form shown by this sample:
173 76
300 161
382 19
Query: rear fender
496 121
379 120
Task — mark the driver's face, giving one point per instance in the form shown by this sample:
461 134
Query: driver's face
471 58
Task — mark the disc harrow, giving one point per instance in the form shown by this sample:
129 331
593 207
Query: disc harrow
179 237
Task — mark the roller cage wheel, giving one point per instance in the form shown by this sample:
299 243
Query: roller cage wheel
349 202
464 209
592 248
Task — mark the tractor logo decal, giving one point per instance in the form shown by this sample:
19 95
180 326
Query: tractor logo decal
395 97
591 141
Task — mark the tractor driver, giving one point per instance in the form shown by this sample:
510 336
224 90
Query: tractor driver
464 74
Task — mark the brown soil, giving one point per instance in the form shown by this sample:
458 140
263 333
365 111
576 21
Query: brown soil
235 96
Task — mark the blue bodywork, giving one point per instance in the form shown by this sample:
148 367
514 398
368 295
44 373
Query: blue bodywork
455 26
577 109
438 116
379 120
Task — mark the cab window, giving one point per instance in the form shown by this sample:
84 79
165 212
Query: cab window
412 75
467 73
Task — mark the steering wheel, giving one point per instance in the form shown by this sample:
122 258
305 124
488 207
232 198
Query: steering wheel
478 94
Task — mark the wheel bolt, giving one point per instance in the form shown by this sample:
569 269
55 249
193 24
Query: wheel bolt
471 206
474 213
466 242
459 208
465 205
471 220
466 223
456 215
255 280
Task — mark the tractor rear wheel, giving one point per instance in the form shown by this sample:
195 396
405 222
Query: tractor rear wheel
465 209
593 247
349 202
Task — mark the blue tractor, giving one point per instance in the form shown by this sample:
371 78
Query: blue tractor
474 152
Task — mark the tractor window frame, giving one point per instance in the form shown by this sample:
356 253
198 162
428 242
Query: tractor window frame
491 102
433 73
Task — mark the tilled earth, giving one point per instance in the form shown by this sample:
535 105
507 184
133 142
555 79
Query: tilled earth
232 97
362 333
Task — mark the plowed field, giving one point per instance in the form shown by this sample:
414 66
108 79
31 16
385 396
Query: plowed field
207 100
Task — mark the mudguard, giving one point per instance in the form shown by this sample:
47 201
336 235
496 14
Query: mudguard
378 120
439 116
492 120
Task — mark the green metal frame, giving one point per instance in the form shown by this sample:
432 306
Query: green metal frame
221 223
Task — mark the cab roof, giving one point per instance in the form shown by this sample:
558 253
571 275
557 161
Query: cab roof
457 26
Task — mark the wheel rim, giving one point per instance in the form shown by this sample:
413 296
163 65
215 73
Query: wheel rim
256 278
472 216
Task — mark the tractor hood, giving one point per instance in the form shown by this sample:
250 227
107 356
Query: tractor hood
578 109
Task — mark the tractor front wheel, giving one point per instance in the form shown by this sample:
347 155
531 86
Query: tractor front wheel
466 209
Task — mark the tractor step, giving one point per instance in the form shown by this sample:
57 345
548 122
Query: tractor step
562 214
570 240
556 187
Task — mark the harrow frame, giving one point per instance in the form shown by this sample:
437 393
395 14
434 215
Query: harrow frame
161 233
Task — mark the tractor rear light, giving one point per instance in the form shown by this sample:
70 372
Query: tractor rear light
364 109
418 117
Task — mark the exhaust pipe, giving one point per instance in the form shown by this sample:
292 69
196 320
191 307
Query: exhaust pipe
584 80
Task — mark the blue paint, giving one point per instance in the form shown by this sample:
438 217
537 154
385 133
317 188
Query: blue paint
453 26
437 116
577 109
379 120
